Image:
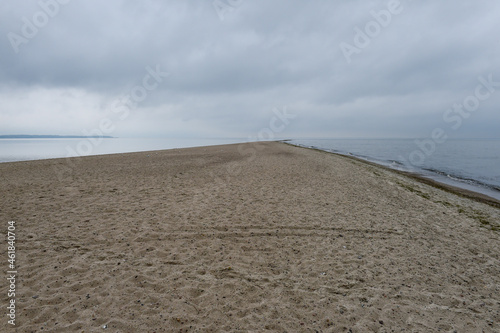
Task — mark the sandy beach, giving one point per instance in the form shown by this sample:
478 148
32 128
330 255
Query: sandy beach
244 238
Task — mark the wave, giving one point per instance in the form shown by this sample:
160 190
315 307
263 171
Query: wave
462 179
396 162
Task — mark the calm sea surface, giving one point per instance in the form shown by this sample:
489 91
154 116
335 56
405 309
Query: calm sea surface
469 164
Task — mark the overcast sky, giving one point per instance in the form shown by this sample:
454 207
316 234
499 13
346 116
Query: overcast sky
355 68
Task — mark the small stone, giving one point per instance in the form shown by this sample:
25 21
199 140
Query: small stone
35 297
381 322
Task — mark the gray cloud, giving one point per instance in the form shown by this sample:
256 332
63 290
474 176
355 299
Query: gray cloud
227 75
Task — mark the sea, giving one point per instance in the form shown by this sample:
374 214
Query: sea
472 164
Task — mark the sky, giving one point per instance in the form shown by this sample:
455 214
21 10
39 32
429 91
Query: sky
244 68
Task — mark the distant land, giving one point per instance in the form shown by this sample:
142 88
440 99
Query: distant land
23 136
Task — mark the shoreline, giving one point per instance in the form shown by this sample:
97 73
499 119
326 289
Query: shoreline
477 196
469 194
69 147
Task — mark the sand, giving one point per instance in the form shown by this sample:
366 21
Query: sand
244 238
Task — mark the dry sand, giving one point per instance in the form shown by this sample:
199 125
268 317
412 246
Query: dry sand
216 239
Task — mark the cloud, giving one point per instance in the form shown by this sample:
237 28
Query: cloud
227 75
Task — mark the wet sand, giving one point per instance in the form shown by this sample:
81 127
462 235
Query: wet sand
245 238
